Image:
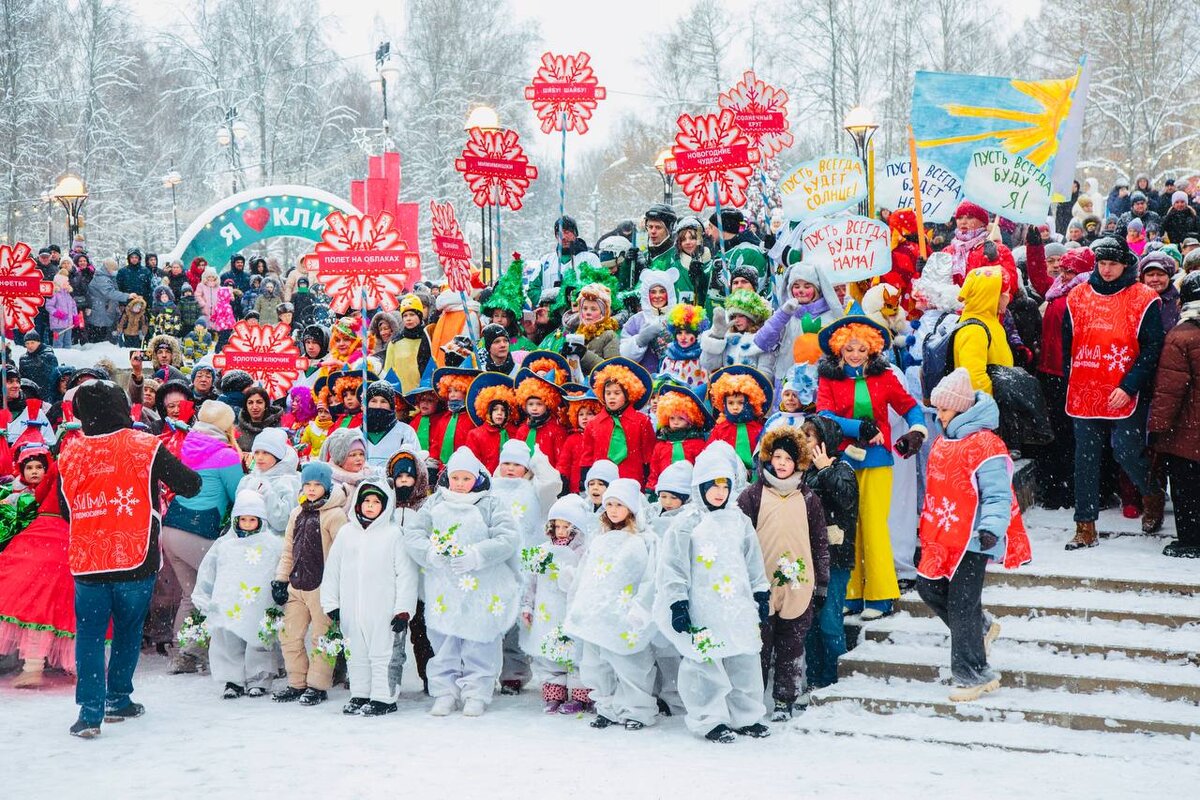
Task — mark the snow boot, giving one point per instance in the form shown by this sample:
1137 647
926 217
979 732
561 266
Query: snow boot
85 730
510 688
184 664
232 692
288 695
633 725
782 712
1085 536
755 731
993 633
571 707
377 708
663 708
1177 550
130 711
964 693
722 733
355 705
601 722
473 708
255 691
313 697
443 706
31 676
1152 513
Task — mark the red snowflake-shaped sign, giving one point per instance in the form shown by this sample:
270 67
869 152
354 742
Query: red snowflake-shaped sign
451 247
267 352
564 89
760 110
495 168
710 148
23 288
360 254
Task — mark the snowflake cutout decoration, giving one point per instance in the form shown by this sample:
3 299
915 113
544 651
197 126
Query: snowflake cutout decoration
711 149
945 514
267 352
760 110
124 501
22 287
564 92
707 556
496 168
1118 358
453 252
382 287
253 555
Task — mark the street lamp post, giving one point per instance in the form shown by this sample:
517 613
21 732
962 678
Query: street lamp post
71 193
387 65
170 181
861 125
486 119
232 131
660 166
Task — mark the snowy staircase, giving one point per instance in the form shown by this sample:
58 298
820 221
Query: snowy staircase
1105 641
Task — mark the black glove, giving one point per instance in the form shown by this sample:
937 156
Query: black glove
573 349
279 592
1033 236
400 622
910 443
631 255
764 605
987 540
867 430
818 602
335 615
681 620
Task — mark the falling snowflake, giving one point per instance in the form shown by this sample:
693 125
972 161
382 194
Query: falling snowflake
453 252
564 91
725 588
382 286
602 569
707 556
496 168
253 555
267 352
760 110
123 501
22 287
468 583
1118 358
945 514
711 149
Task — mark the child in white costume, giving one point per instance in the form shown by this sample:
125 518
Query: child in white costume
609 611
674 493
370 588
467 543
275 475
596 482
711 595
233 591
544 606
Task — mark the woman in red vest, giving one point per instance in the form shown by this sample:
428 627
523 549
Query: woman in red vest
1112 336
970 517
622 433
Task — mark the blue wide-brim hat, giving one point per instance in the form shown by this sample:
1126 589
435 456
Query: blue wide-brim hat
854 316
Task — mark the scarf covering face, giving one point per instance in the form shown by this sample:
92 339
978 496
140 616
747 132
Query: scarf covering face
678 353
964 243
1063 285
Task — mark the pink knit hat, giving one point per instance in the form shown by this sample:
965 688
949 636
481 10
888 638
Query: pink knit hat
954 392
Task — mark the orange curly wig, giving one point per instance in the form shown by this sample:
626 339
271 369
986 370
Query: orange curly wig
737 384
448 382
622 376
341 385
674 404
574 407
492 394
543 365
535 387
855 330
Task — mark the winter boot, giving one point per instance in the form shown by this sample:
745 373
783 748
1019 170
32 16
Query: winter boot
1085 536
130 711
510 688
601 722
377 708
443 706
31 675
755 731
473 707
232 691
782 712
571 707
288 695
355 705
255 691
578 702
1177 550
633 725
1152 513
722 733
553 694
85 730
184 664
965 693
313 697
993 633
663 708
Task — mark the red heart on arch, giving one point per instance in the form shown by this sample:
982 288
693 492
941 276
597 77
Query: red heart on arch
257 218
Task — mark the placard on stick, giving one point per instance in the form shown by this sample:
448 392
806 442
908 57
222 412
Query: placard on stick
496 168
453 252
267 352
1008 185
848 249
941 189
760 111
564 92
822 186
363 263
711 149
23 287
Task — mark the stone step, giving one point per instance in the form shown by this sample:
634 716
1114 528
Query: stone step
1029 579
1028 666
1058 634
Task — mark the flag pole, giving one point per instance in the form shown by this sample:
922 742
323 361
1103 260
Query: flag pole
917 206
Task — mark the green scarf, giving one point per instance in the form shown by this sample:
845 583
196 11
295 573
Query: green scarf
531 438
503 436
618 447
423 432
448 437
742 445
677 453
862 399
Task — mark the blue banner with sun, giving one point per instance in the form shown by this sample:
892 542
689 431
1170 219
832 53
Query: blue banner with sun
953 115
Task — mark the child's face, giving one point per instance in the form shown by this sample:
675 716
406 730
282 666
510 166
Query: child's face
498 415
595 489
810 435
614 396
658 297
285 318
739 323
855 353
455 393
735 403
404 479
378 402
263 460
427 404
803 291
944 416
461 481
585 415
410 319
32 473
311 348
616 512
248 522
668 501
313 490
323 415
354 462
717 494
508 469
562 531
351 401
677 423
534 407
590 312
685 338
371 506
791 401
782 464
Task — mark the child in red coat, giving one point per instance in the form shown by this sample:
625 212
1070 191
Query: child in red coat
581 408
492 404
740 395
622 434
539 396
449 431
683 424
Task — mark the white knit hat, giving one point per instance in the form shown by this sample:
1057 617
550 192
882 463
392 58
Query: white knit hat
712 463
573 509
464 460
217 414
954 392
515 451
602 470
625 491
273 441
676 479
249 503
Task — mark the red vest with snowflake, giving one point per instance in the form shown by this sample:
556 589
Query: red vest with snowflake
1104 345
106 480
951 500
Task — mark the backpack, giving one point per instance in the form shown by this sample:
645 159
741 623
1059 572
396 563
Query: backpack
937 358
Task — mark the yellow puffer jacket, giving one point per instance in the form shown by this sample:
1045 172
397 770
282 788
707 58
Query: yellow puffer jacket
981 297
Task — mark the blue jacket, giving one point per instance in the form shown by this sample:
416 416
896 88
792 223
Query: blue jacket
104 299
220 472
993 480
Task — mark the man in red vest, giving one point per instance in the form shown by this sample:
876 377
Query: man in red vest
110 486
1112 336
